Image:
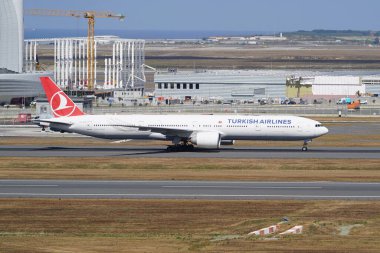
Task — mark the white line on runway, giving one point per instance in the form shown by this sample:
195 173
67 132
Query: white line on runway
240 187
32 185
19 194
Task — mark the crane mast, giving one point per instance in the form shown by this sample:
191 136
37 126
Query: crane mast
90 15
91 52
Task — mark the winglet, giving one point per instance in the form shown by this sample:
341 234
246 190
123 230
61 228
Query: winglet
61 105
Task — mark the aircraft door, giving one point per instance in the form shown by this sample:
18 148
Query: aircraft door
257 128
89 126
196 125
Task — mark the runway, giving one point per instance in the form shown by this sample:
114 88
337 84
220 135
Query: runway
160 152
188 190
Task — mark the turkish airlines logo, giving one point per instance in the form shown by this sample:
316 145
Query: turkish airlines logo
60 105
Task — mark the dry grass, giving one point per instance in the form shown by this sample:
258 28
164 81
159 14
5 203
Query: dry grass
71 141
252 57
246 57
183 226
191 169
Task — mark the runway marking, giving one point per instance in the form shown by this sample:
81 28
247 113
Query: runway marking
241 187
182 195
33 185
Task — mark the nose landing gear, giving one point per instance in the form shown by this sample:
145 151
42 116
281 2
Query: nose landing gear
305 143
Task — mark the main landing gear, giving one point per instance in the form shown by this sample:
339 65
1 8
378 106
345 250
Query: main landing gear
305 143
183 147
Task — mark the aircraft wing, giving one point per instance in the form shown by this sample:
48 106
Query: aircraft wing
168 131
47 122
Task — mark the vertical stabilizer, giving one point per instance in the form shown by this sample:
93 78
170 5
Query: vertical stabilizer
61 105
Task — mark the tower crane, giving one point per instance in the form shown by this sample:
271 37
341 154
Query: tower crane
90 15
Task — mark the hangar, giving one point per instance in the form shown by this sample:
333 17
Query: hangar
220 84
245 85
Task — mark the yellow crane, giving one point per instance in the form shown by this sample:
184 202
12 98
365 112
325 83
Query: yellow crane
90 15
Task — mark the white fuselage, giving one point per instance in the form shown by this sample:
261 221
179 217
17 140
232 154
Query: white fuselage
230 127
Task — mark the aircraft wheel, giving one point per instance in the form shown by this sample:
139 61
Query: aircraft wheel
187 148
304 149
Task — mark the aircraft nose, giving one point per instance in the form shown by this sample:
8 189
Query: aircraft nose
325 130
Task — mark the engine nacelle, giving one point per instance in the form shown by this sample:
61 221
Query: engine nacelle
227 142
206 140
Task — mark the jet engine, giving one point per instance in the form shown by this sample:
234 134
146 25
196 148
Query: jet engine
206 140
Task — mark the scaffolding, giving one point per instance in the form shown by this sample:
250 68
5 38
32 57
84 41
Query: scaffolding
120 65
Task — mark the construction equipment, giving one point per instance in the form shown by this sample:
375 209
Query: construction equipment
90 15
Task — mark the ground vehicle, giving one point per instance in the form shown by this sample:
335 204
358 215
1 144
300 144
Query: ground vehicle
344 101
288 102
354 105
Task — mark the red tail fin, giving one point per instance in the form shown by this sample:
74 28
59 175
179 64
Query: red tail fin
61 105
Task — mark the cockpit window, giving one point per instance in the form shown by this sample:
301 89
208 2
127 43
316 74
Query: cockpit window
318 125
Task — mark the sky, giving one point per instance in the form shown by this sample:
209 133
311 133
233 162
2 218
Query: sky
215 15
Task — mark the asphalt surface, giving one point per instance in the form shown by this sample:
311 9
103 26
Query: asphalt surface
160 152
188 190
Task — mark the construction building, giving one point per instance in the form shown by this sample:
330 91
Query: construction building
335 87
93 64
119 63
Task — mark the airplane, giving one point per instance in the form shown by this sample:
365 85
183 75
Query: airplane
184 131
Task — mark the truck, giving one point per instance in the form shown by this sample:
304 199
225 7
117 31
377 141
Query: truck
355 105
